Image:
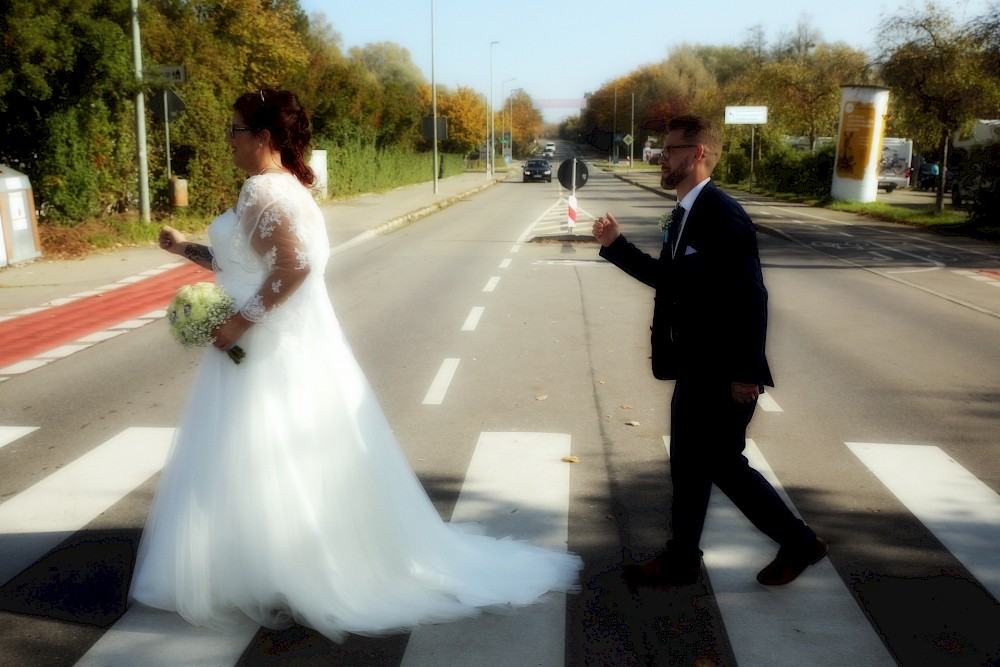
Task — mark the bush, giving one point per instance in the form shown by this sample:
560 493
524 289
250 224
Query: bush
796 172
980 178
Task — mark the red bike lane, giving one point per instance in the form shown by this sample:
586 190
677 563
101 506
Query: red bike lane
28 335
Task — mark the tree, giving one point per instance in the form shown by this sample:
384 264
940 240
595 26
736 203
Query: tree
939 74
465 110
803 90
64 109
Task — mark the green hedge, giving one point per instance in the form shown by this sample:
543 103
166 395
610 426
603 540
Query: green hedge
797 172
357 166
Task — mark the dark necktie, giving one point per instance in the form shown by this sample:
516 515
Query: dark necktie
675 228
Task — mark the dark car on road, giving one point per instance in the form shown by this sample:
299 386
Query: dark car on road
537 170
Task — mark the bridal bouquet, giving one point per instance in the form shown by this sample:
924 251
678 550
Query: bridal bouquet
196 310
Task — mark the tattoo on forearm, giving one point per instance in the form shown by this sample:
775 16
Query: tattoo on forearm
197 253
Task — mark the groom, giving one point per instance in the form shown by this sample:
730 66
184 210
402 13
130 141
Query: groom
709 326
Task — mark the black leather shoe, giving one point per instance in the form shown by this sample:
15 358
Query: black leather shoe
663 571
791 562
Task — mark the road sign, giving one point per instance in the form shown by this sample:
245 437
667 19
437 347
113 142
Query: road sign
627 140
566 174
746 115
173 73
172 105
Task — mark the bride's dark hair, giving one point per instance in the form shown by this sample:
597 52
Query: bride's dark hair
280 113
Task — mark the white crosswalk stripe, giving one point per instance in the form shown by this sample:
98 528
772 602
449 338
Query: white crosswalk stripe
959 509
812 621
42 516
517 485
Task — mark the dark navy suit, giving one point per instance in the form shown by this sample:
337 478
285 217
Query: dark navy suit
709 329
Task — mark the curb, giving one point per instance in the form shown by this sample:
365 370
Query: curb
409 218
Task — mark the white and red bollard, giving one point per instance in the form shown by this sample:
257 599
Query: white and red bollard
571 213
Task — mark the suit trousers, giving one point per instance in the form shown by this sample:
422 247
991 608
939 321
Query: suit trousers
707 439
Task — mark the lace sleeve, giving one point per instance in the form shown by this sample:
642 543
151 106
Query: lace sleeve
272 233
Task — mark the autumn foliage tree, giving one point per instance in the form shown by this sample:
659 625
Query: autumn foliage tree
940 76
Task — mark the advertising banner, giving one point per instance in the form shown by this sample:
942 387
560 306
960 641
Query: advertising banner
859 142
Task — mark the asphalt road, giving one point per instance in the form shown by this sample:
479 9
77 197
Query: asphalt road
881 431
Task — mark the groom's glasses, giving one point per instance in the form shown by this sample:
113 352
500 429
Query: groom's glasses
231 130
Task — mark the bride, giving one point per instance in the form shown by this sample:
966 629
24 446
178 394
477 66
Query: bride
286 497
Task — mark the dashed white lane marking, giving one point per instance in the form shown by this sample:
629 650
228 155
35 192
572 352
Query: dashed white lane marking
516 485
9 434
43 358
124 282
472 321
491 284
790 625
439 386
505 263
961 511
42 516
768 404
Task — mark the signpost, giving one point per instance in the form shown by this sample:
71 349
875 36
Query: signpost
752 116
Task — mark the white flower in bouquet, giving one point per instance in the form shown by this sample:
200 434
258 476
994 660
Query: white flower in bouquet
196 310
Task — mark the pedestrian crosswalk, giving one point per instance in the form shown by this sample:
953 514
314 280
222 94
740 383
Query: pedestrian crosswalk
518 484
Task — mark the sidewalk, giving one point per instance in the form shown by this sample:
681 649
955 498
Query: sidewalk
349 222
52 308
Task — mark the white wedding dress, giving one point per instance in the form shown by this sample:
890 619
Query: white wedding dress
286 497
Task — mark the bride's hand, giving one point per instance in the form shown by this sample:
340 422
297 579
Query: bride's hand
172 240
227 333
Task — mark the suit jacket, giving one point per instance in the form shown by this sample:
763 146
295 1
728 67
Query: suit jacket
710 314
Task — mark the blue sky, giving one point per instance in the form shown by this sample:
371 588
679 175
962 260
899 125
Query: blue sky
560 49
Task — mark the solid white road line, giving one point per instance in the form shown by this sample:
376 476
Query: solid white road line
472 321
156 638
491 284
439 386
516 485
812 621
40 517
9 434
961 511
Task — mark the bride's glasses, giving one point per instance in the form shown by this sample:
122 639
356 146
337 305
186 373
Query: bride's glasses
231 130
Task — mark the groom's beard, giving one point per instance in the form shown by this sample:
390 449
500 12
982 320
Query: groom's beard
671 178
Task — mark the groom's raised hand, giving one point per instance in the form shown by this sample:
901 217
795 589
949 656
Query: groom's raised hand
606 230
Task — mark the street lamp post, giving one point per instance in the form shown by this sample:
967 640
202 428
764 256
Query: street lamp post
434 107
140 118
489 158
502 84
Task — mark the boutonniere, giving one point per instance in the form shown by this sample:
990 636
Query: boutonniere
665 221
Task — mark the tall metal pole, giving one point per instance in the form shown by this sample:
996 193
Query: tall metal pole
486 136
631 132
434 104
166 129
140 118
502 105
511 114
492 161
614 131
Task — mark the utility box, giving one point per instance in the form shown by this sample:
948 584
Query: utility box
19 240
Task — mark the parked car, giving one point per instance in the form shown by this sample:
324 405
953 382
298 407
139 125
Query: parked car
537 170
927 176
